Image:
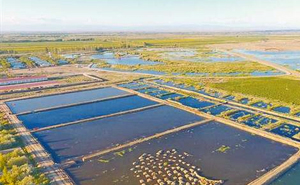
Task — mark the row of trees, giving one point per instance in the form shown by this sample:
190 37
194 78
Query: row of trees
16 166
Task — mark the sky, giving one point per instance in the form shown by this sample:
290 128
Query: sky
148 15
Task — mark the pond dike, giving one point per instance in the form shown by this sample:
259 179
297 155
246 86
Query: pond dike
54 173
138 141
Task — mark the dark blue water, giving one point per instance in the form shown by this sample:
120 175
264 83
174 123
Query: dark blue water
230 97
85 111
238 114
287 130
282 109
259 121
32 104
171 96
80 139
216 110
291 177
248 157
194 103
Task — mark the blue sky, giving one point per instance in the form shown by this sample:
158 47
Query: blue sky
143 15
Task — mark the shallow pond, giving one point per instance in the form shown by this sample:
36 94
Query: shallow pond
81 139
32 104
84 111
245 158
286 58
126 60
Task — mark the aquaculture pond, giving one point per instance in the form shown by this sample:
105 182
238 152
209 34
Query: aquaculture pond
239 114
40 62
244 101
229 98
15 64
259 121
288 130
285 58
134 85
216 110
173 96
282 109
81 139
235 156
261 105
83 111
123 60
32 104
290 177
194 103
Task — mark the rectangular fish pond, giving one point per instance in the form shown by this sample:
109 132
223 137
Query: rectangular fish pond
234 156
194 103
31 104
83 111
216 110
65 143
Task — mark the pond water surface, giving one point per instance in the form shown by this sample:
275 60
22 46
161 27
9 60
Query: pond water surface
84 111
81 139
246 158
32 104
285 58
291 177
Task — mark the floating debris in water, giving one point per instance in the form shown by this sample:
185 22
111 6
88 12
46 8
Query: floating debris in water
168 167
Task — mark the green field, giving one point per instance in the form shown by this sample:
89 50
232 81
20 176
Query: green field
110 42
273 88
201 67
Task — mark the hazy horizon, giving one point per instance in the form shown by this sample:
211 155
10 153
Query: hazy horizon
150 16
